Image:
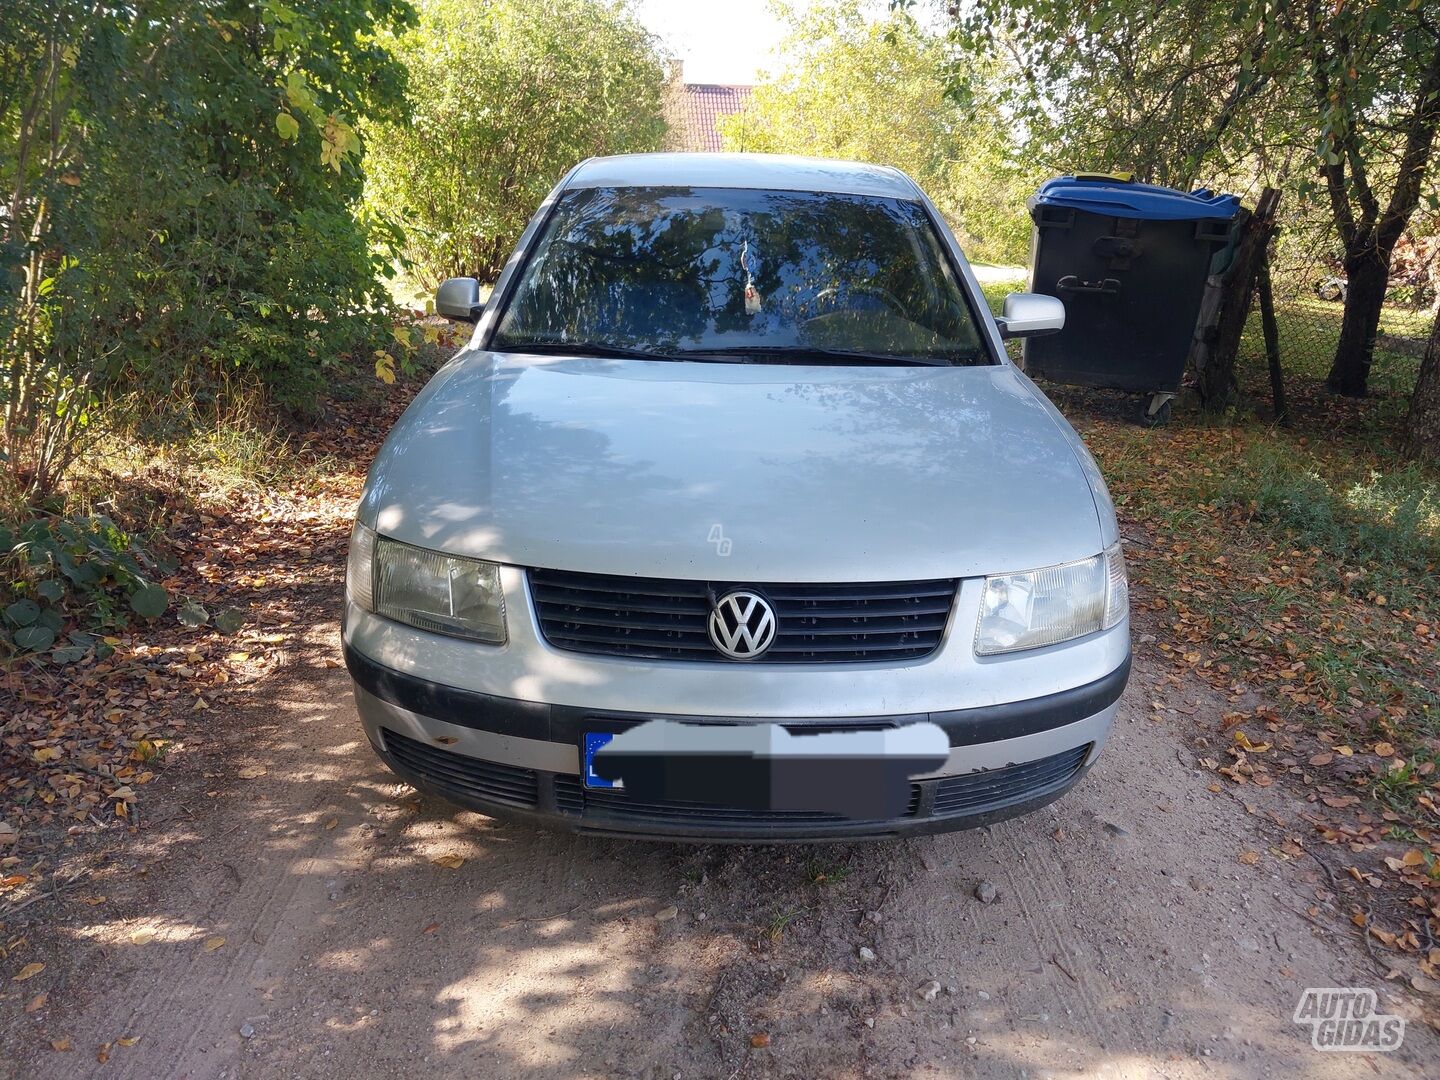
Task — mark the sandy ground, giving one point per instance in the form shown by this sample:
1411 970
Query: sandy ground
1127 938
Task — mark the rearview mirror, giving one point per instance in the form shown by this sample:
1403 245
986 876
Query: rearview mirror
1030 315
458 298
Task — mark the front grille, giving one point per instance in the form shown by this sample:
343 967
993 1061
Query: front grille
462 776
992 789
597 806
665 619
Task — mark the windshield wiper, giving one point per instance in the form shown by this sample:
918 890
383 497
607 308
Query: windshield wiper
804 354
578 348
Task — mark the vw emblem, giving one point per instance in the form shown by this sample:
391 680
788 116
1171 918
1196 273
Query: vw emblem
742 625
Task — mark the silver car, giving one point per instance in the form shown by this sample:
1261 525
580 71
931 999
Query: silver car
734 476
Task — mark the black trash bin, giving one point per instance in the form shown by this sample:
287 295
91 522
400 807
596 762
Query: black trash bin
1130 262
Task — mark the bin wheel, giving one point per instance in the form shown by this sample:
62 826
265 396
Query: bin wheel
1157 410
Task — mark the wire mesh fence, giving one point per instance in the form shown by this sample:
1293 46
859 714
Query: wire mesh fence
1309 291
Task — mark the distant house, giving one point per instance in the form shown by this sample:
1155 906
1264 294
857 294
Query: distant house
696 109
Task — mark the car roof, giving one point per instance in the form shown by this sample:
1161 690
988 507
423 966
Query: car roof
774 172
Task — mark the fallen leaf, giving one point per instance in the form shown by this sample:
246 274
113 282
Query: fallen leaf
1384 749
143 936
102 1055
1249 858
38 1002
759 1040
330 823
211 944
431 928
1340 801
29 971
1244 741
1322 759
251 772
129 1040
449 862
62 1045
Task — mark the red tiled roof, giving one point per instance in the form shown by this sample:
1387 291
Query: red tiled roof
706 104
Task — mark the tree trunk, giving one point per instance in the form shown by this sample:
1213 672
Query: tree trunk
1422 426
1272 342
1368 275
1214 355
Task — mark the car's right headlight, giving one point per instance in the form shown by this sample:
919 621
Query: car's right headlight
429 590
1045 607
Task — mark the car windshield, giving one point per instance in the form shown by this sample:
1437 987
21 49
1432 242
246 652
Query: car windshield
743 275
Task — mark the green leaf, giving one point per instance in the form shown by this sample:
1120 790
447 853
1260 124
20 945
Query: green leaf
51 590
229 620
68 654
150 602
287 126
193 615
23 612
35 638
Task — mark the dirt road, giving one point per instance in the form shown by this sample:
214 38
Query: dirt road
1127 937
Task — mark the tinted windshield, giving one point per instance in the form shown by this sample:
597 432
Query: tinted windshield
763 275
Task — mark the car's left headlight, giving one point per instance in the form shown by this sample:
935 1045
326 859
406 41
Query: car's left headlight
429 590
1045 607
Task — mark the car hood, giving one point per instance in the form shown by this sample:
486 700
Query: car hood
735 472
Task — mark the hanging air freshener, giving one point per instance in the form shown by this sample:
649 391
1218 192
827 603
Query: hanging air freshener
752 294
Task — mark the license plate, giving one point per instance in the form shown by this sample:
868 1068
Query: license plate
594 740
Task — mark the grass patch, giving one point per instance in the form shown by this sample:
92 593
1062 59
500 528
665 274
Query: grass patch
1289 562
780 920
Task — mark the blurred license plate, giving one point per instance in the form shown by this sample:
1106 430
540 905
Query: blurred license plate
594 740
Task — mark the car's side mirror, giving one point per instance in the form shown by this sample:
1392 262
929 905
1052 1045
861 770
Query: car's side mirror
1030 315
458 298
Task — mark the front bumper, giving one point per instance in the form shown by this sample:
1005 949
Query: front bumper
521 759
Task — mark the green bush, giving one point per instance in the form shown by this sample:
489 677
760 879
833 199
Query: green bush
508 95
83 572
184 190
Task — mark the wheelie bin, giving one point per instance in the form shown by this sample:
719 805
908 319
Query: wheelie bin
1130 262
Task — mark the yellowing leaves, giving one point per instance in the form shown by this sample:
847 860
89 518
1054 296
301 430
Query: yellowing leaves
384 367
450 861
287 126
213 943
47 753
337 141
29 971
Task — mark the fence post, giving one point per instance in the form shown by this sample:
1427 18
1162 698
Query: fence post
1215 360
1272 342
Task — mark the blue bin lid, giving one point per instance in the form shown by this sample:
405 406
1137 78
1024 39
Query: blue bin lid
1115 197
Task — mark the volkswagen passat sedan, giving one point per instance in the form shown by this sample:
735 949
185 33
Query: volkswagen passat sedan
735 443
